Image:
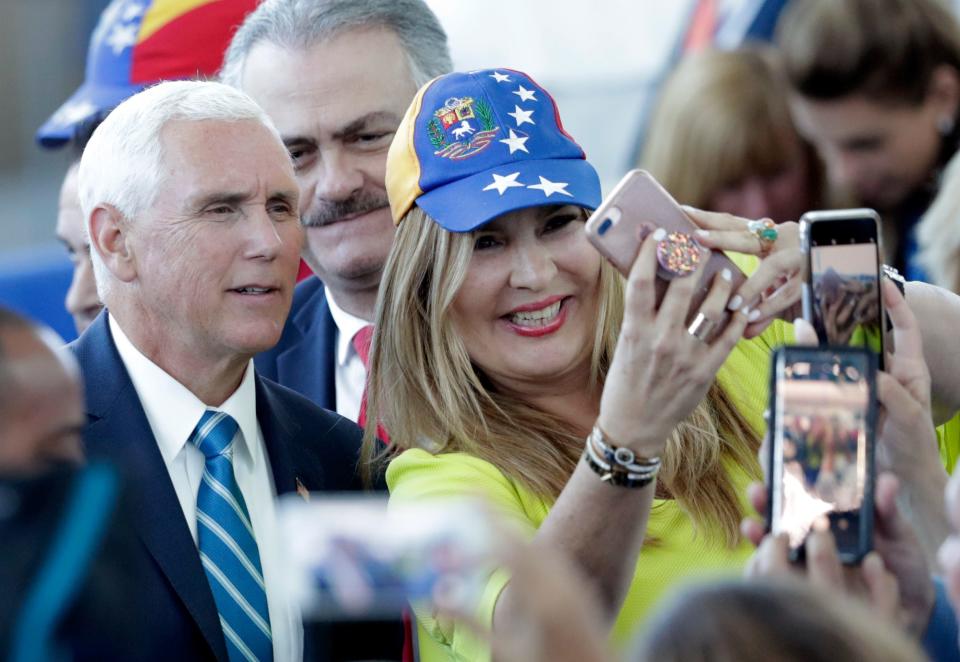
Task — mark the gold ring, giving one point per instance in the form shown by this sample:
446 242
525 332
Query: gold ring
766 233
701 327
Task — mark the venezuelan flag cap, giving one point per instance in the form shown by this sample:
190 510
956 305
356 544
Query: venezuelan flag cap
141 42
476 145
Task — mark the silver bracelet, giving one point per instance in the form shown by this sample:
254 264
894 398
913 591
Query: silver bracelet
619 458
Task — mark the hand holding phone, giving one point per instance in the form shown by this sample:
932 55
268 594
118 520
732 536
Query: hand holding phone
821 450
637 206
841 294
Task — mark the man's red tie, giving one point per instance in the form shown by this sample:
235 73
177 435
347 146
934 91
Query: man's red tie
361 343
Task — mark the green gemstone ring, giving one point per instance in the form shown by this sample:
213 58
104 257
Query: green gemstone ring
766 233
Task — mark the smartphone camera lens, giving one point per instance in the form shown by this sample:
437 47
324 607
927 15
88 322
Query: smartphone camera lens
604 226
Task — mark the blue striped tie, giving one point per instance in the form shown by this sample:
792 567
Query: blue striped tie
228 548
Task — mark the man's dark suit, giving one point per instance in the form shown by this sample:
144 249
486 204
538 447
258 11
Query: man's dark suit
305 358
305 444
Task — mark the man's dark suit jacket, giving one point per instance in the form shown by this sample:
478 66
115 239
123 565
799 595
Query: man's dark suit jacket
305 358
306 445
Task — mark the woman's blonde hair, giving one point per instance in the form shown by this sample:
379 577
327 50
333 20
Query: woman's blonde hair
723 116
938 238
427 393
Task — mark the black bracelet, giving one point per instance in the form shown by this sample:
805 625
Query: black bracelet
619 478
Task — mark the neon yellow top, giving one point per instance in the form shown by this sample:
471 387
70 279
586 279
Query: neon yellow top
678 556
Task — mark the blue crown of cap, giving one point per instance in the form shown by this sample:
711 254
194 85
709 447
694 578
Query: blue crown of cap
110 57
107 79
489 133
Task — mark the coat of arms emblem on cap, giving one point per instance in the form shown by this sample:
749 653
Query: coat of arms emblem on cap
461 128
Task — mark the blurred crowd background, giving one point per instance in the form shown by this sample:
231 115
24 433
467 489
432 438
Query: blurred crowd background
605 81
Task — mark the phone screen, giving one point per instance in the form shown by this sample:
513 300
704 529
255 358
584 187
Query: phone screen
844 284
821 456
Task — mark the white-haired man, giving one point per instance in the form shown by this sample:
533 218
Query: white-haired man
190 205
336 77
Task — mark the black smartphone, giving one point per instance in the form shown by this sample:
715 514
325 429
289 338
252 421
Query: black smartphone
841 293
821 468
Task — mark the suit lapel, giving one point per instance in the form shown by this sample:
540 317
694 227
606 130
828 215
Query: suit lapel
309 365
282 436
118 431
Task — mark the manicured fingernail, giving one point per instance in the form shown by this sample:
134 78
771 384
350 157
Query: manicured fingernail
659 235
727 275
688 208
735 301
746 311
797 321
754 315
702 233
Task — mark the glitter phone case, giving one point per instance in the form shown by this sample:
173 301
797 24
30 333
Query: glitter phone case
637 206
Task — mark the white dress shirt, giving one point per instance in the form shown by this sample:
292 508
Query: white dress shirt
173 412
350 375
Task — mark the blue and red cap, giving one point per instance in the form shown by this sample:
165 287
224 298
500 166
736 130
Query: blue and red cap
475 145
141 42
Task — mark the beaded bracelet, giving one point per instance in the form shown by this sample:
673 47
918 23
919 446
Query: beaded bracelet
620 456
615 466
612 467
618 478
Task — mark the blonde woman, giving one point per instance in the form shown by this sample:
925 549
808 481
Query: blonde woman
721 137
504 340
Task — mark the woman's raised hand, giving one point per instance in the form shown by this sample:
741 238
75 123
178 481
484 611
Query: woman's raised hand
773 290
661 370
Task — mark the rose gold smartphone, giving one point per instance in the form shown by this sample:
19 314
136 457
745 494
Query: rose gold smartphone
637 206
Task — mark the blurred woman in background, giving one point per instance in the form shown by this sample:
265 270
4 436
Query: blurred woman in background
722 138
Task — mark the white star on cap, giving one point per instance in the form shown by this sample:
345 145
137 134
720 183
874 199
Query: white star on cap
521 116
499 77
121 37
132 11
549 188
502 183
515 142
524 94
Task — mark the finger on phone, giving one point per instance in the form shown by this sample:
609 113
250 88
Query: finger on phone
676 302
896 399
724 342
886 494
714 305
881 585
715 220
753 530
737 241
785 263
823 562
641 284
772 558
757 496
785 297
906 331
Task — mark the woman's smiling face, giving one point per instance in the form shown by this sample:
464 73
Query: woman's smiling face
527 309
